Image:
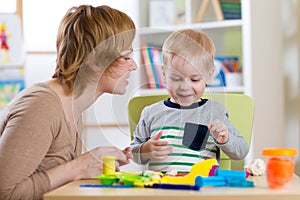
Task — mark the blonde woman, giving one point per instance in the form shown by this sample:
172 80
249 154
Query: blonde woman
40 146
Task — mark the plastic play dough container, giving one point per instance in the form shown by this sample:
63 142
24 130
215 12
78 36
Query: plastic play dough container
280 166
109 164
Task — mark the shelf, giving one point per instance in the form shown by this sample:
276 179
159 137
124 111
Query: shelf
11 66
200 26
226 34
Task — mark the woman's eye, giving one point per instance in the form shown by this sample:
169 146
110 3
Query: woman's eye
125 58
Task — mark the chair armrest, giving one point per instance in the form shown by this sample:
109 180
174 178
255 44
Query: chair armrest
225 161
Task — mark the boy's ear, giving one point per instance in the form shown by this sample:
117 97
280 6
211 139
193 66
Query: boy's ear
163 73
210 76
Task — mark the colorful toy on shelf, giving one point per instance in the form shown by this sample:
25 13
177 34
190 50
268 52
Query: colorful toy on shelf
3 42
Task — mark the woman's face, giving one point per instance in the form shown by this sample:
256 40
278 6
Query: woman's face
115 79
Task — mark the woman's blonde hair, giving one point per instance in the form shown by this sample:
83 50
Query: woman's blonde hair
195 47
102 32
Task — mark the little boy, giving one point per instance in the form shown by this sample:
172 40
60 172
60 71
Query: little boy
176 133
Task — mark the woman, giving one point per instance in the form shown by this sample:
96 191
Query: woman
40 147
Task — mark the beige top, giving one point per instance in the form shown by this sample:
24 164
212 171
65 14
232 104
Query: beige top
34 137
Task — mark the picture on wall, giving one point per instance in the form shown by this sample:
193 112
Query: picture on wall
12 51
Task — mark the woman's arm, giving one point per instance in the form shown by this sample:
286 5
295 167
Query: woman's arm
35 158
24 143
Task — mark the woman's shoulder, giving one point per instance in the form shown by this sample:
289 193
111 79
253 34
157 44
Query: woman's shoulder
35 104
39 91
38 96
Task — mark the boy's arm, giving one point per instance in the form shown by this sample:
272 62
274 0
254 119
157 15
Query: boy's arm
141 135
236 147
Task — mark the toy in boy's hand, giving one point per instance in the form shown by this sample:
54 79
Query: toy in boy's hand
195 136
219 131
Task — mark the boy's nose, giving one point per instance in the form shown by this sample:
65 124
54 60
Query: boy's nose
184 85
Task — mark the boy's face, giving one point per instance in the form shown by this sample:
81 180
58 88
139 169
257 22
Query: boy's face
185 83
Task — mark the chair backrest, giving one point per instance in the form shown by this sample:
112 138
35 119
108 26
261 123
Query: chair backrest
240 108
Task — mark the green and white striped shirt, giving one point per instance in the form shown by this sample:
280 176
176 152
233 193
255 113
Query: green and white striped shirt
171 119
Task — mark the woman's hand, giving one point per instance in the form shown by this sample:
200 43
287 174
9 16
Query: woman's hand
86 165
155 149
219 131
91 164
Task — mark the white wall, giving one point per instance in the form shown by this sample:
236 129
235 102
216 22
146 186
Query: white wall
276 88
41 19
267 80
290 11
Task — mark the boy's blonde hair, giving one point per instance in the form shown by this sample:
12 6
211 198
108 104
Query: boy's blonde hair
102 32
195 47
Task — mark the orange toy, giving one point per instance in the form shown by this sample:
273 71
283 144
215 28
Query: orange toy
279 172
280 166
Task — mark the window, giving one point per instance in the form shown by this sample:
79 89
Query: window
41 19
8 6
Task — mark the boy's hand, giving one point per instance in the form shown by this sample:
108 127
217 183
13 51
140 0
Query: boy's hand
155 149
128 155
219 131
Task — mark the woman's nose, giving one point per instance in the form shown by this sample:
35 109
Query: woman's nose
132 65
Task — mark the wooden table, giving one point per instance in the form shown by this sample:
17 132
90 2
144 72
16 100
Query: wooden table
260 191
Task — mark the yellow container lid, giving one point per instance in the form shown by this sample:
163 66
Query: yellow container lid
279 152
108 158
